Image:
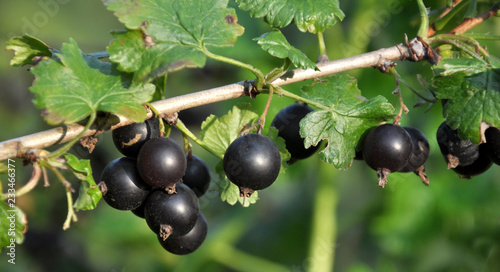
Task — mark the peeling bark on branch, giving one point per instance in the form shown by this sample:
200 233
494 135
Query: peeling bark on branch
19 146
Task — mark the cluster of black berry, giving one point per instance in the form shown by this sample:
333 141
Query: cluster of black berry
253 161
466 158
156 181
390 148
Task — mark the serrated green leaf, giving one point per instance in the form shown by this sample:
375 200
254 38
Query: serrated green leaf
12 226
76 85
131 55
466 66
348 116
309 15
27 49
168 35
219 133
280 143
471 100
89 193
276 44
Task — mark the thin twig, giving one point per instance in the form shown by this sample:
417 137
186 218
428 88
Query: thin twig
469 23
44 139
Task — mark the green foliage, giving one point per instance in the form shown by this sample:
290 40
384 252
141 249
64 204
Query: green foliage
89 194
168 35
308 15
407 222
12 225
276 44
27 50
347 117
472 90
77 85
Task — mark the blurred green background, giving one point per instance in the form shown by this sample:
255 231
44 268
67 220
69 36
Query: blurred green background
452 225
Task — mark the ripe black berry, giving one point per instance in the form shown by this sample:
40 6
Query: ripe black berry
455 150
171 214
479 166
252 162
418 155
420 150
161 162
197 176
121 185
287 122
386 149
189 242
492 135
129 139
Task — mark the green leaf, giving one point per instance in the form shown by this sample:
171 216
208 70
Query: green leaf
348 116
12 226
309 15
168 35
76 85
472 99
276 44
89 194
466 66
27 50
280 143
219 133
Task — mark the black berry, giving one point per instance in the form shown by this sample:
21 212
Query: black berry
420 150
252 162
492 135
189 242
171 214
455 150
479 166
121 185
161 162
287 122
386 149
129 139
197 175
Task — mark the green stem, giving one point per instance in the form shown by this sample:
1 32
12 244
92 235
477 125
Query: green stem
61 151
441 22
463 38
288 94
424 23
185 131
460 46
321 43
260 76
241 261
71 212
397 77
324 223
